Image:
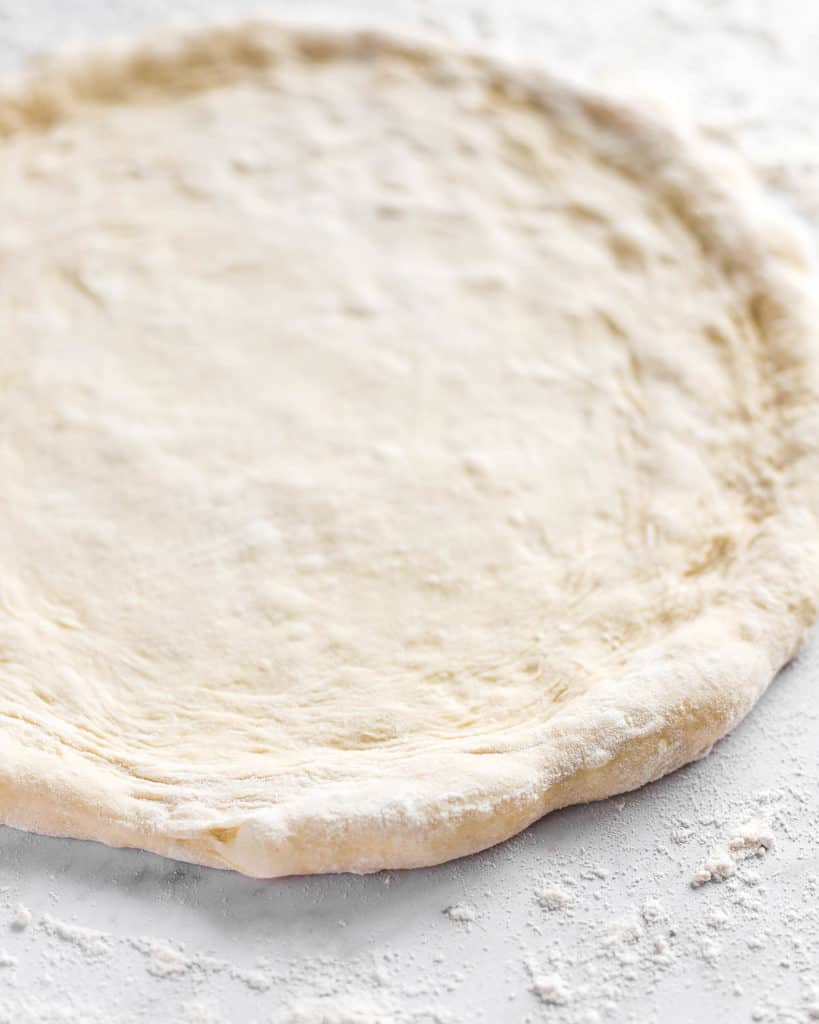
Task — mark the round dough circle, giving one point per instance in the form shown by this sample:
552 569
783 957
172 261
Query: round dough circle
396 447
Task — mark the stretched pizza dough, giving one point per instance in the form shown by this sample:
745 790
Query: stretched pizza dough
394 448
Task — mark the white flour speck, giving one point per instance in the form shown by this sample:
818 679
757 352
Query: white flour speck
163 959
716 918
463 912
551 989
750 840
652 911
552 897
21 919
87 941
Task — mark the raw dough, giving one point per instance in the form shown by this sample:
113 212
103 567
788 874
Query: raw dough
394 448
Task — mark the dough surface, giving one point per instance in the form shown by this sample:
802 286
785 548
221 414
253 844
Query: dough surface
394 448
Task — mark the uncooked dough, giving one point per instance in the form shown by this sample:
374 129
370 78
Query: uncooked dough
395 447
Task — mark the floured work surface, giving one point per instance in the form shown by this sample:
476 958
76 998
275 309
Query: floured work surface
395 448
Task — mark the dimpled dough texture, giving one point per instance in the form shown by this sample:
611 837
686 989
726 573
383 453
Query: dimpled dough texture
394 448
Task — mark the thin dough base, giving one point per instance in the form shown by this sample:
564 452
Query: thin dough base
397 447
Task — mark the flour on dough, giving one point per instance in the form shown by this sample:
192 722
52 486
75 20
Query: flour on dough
395 447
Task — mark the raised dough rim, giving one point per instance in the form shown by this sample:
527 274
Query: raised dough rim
665 726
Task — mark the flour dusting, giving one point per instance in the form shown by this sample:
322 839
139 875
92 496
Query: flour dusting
163 960
462 912
88 941
21 918
753 839
551 989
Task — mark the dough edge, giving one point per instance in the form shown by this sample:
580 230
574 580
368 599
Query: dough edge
663 713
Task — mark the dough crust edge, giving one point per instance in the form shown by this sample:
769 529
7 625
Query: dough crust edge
666 711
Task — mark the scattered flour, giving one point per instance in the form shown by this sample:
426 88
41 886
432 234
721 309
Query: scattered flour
335 1010
21 919
87 941
33 1008
7 960
551 989
463 912
710 951
552 897
163 959
716 918
625 930
256 980
652 912
166 960
753 839
200 1011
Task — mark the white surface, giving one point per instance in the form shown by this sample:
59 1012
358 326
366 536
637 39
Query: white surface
381 948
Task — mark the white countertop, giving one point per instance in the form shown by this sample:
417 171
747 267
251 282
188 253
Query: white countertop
125 936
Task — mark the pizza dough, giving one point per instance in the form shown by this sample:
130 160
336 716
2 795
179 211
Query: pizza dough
394 448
